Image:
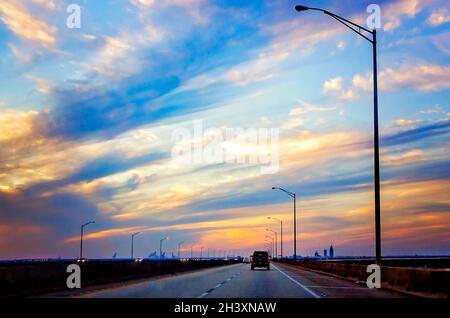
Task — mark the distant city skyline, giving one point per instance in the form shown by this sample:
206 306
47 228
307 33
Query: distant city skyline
87 117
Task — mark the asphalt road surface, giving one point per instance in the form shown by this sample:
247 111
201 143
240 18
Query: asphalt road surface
238 281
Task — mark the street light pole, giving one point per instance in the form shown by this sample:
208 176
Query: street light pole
132 242
292 195
81 237
376 152
276 241
272 239
281 229
271 243
376 139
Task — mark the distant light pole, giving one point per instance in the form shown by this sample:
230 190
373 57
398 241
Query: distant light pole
270 245
276 241
376 143
192 246
132 243
281 228
160 246
81 237
272 239
201 251
292 195
179 245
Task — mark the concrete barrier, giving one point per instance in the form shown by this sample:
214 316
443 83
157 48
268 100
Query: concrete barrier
37 278
423 282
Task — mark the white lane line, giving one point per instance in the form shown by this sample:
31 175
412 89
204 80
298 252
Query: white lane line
297 282
217 286
338 287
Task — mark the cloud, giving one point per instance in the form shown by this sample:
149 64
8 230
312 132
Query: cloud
293 123
97 168
392 13
25 25
439 17
334 86
43 85
405 122
421 77
197 10
434 110
299 114
23 57
37 226
47 4
121 56
301 39
415 134
413 156
143 3
308 108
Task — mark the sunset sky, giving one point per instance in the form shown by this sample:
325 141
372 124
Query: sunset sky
87 116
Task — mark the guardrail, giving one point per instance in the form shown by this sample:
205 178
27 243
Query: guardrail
423 282
27 279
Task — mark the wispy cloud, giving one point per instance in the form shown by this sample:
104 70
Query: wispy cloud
25 25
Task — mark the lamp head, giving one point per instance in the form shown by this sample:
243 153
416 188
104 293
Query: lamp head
301 8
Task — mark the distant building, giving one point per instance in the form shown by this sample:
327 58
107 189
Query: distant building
316 254
331 251
324 253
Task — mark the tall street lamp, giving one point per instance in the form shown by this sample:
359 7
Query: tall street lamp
276 241
281 228
132 243
201 251
160 246
292 195
81 237
376 144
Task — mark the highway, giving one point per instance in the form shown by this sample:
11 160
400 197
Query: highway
238 281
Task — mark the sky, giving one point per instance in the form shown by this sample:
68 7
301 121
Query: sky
88 117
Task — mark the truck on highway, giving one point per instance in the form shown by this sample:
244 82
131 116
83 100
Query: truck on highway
260 259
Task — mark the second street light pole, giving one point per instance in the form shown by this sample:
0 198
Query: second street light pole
376 139
292 195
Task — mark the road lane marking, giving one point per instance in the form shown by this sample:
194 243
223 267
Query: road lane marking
209 291
338 287
297 282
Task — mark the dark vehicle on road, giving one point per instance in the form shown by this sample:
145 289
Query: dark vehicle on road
260 259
